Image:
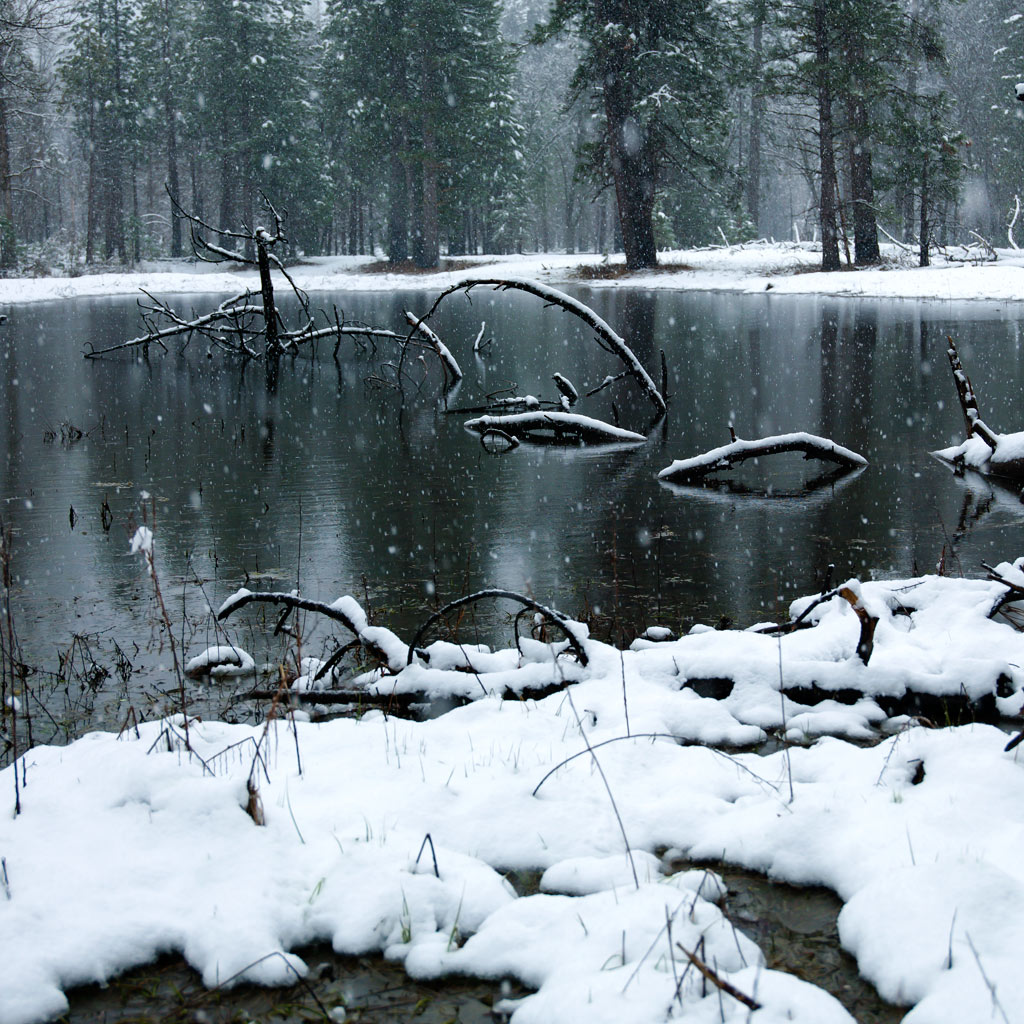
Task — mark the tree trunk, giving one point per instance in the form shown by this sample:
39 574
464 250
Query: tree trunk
398 208
634 176
173 185
430 252
8 251
862 189
756 120
924 259
829 183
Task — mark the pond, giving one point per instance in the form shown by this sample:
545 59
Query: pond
327 479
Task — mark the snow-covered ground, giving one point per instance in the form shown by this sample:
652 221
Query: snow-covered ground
787 269
135 844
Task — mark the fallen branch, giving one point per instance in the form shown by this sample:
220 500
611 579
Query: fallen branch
984 450
728 455
555 427
718 981
346 610
973 422
868 623
447 359
550 614
607 338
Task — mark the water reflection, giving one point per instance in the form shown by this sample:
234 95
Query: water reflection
312 475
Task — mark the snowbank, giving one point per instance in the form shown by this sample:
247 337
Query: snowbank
781 268
128 846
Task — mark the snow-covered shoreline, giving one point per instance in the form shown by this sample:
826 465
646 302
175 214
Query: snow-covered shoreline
135 844
778 268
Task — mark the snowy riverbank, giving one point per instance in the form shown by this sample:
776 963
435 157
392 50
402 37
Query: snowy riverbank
784 269
131 845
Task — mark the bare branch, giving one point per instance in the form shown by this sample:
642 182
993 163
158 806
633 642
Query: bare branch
606 336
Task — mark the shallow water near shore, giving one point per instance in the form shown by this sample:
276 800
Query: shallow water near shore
794 927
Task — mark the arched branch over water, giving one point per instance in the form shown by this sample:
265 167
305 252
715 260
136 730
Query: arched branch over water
607 338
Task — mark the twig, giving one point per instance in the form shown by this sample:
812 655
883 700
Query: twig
608 789
718 981
433 853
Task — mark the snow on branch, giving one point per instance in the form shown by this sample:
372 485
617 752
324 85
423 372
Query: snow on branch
574 632
557 427
728 455
448 361
346 610
984 449
607 338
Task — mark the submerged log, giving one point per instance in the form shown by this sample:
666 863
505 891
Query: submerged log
555 427
739 450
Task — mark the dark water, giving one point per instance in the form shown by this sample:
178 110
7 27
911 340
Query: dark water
326 480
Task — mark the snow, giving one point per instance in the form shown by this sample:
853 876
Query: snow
919 834
754 267
220 660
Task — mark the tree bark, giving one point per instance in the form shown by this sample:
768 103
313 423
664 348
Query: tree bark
398 206
757 107
826 132
862 189
634 187
173 184
8 252
430 250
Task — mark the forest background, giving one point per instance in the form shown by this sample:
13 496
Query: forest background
416 128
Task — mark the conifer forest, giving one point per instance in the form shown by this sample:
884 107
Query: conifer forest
411 128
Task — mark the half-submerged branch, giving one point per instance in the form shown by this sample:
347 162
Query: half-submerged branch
984 449
555 428
812 446
607 338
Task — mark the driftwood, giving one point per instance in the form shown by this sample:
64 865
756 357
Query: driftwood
973 423
546 613
554 427
608 339
448 361
738 450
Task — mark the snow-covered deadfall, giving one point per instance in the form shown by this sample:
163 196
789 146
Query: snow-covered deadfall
131 845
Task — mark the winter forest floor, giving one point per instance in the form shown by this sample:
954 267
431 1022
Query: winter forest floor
572 830
784 268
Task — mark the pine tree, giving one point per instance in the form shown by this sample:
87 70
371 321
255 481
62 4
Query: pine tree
429 85
654 73
98 89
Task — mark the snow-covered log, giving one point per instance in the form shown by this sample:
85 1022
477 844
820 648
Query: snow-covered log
728 455
555 427
346 610
607 338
